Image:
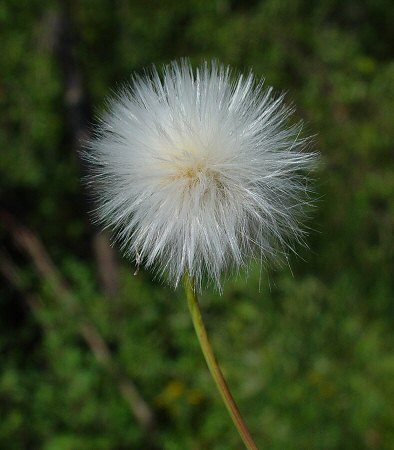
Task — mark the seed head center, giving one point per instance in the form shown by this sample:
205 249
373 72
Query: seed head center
194 173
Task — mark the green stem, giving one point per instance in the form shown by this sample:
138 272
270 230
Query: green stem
213 364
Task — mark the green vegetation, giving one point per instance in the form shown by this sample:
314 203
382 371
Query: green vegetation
92 362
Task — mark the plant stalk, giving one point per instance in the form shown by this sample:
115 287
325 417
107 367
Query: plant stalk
213 365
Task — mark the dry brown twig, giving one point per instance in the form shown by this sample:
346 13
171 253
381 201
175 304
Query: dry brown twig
31 245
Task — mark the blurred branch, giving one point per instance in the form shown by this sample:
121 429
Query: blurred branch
79 116
11 273
31 245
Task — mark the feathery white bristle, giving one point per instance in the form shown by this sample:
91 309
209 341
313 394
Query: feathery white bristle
199 171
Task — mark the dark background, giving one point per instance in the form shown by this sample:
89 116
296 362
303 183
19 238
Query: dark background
93 357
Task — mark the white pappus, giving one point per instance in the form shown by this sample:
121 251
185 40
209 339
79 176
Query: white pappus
199 171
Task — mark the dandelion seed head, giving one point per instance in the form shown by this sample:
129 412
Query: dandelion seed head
199 171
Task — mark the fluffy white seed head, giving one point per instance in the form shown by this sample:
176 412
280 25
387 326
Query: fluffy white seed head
199 171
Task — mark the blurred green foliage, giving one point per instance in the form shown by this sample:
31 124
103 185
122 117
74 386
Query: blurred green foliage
309 356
